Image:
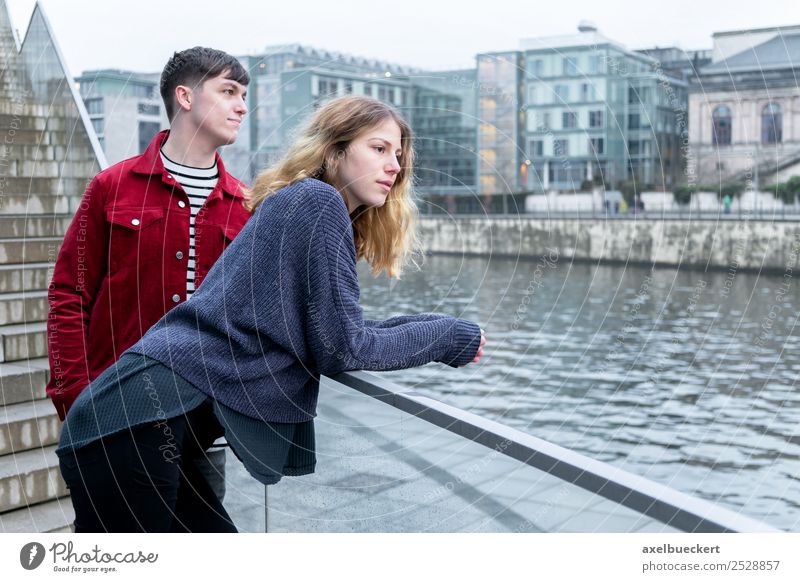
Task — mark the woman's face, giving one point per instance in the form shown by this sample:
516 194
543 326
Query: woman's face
370 166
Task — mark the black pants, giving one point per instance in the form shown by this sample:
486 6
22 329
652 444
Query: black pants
147 479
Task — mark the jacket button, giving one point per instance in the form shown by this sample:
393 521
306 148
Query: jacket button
135 222
176 298
179 255
169 176
181 204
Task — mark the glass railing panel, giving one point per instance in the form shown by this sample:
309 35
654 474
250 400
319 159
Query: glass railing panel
383 470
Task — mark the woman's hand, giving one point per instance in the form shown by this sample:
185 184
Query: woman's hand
480 348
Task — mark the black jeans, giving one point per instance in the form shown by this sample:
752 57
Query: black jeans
147 479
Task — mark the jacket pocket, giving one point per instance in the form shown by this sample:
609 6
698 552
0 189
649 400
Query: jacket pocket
136 237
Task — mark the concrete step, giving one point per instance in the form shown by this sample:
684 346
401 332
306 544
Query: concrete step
30 477
27 122
21 341
12 107
15 277
44 152
23 381
48 136
28 136
29 250
34 226
39 205
17 167
16 151
28 425
27 306
50 517
14 185
21 168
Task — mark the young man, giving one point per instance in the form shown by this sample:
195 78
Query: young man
148 229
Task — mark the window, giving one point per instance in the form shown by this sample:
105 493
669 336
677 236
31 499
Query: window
532 93
639 147
143 91
569 120
147 131
596 64
535 148
327 87
570 66
596 119
588 92
99 124
535 68
385 94
561 93
148 109
721 126
543 119
634 121
597 145
94 106
560 147
771 124
348 87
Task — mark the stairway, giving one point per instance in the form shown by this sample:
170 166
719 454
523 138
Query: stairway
46 161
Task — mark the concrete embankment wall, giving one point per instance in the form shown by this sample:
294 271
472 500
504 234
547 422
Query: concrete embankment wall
753 245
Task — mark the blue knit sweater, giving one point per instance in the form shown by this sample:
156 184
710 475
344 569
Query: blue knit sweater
280 307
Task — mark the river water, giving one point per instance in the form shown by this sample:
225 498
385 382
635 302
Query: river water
684 377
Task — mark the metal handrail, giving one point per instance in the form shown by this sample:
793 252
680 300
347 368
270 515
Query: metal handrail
671 507
696 216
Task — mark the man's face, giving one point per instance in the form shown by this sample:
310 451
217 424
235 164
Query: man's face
218 107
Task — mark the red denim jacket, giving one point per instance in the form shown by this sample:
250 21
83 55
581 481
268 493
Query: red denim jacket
123 262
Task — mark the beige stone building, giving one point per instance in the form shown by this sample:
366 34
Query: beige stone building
744 109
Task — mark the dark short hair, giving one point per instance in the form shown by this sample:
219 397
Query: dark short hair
193 67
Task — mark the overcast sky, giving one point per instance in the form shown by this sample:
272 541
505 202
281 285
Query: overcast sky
140 35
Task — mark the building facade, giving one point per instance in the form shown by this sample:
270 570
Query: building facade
567 112
289 82
445 123
125 109
745 109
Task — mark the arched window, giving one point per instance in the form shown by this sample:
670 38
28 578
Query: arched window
721 126
771 123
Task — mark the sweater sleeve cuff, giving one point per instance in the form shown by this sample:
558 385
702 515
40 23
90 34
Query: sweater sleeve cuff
466 340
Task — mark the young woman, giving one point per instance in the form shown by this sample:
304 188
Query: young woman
243 357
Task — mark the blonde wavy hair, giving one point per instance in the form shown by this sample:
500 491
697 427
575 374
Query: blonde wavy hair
384 235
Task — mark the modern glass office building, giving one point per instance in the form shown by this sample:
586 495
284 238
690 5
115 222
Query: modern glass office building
289 82
445 122
563 113
568 112
501 168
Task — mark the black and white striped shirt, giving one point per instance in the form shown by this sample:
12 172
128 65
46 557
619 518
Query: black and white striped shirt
198 184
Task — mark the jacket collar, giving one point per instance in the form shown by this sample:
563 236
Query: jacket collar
149 163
